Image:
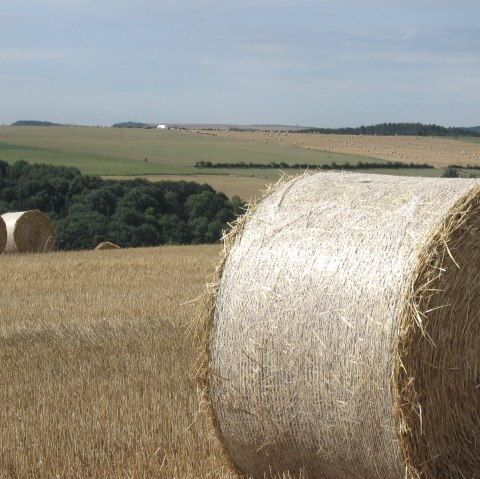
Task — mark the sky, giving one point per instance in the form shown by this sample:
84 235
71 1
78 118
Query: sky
299 62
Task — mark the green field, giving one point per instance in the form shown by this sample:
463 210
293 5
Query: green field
121 151
470 139
126 152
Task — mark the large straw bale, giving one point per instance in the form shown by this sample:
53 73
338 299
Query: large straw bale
3 235
107 245
345 328
29 232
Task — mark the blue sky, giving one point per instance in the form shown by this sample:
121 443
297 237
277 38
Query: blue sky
305 62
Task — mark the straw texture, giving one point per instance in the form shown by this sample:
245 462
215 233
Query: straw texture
29 232
3 235
344 334
107 245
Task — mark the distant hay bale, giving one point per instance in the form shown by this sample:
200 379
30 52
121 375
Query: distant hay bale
343 332
3 235
107 245
29 232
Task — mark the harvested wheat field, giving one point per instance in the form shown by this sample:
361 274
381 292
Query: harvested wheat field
96 369
436 151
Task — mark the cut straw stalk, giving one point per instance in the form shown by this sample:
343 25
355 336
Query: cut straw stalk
29 232
344 328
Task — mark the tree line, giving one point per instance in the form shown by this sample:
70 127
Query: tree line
313 166
87 210
392 129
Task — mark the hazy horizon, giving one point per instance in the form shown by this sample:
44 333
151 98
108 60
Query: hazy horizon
221 125
263 62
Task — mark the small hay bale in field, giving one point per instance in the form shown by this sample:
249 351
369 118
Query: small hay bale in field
344 330
107 245
3 235
29 232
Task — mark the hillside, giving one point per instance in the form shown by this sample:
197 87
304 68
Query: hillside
121 152
34 123
131 124
404 129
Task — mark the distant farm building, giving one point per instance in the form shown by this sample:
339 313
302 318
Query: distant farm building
162 127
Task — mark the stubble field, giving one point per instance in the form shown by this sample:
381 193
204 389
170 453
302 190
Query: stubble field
436 151
97 366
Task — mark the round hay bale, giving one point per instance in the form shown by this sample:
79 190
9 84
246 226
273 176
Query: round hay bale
107 245
29 232
3 235
344 330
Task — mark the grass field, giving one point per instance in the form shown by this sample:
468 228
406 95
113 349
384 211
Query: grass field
475 139
122 151
97 368
115 152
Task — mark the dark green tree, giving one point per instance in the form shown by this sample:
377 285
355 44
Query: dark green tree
450 173
87 209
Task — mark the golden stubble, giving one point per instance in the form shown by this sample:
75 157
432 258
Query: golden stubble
436 151
97 365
